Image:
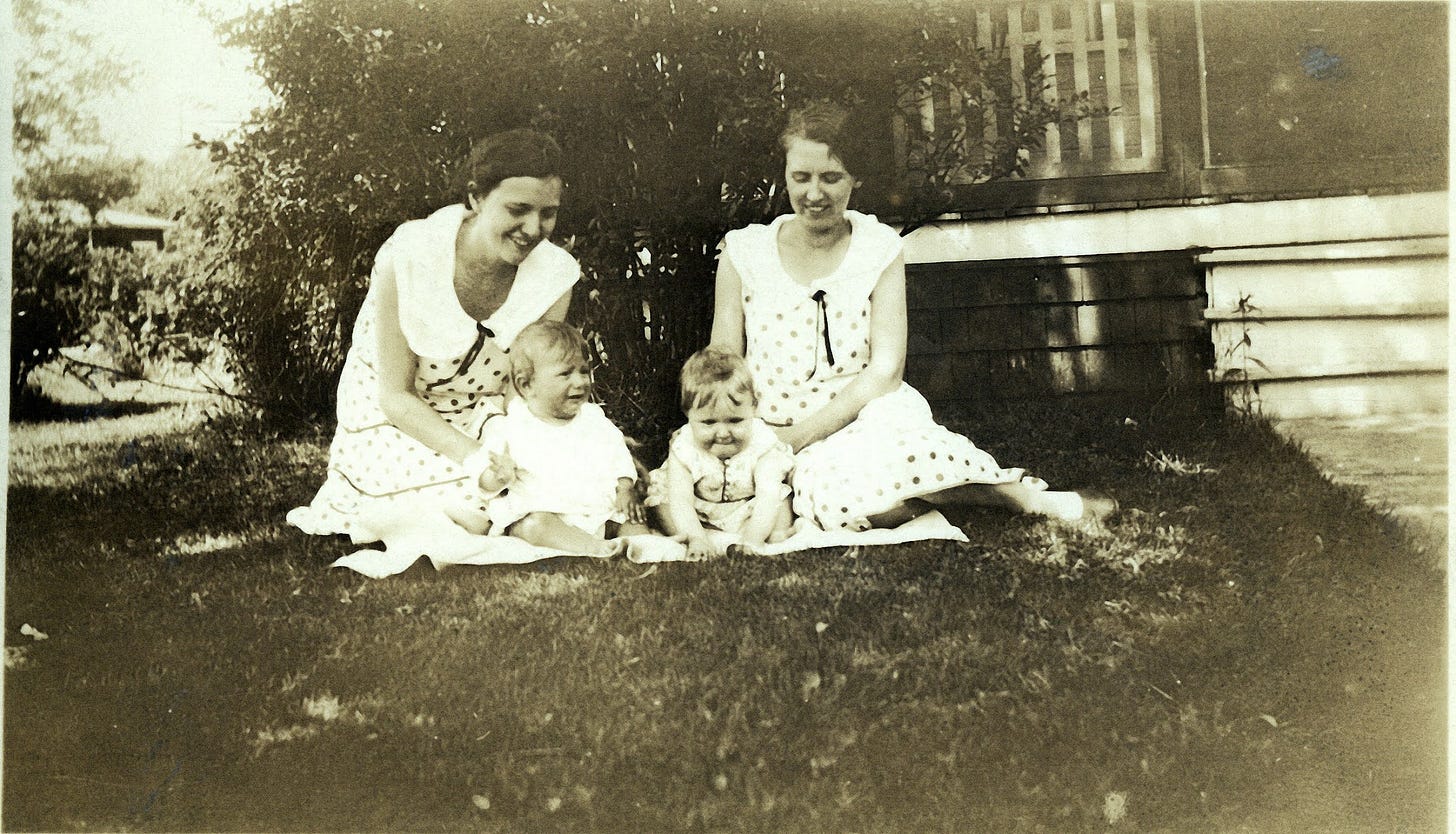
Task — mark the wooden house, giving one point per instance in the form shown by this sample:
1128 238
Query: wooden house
1264 209
128 230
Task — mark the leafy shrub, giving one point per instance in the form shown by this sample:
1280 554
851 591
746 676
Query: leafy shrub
668 111
48 268
132 311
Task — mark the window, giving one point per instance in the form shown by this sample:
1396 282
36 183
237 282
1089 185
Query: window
1103 48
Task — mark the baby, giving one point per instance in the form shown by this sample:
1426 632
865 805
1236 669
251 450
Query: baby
564 475
726 469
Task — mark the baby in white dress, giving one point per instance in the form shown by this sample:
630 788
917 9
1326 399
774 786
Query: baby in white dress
726 470
564 476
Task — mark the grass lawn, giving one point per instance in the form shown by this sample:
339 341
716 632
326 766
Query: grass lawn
1248 649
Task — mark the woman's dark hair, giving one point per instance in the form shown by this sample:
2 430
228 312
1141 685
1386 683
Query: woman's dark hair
512 153
842 129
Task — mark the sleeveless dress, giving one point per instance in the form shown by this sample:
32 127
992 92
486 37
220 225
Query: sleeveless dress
805 343
462 373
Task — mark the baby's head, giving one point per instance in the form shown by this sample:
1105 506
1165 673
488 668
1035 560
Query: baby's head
719 400
550 370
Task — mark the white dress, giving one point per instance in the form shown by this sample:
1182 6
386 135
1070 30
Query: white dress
894 450
723 490
569 469
463 370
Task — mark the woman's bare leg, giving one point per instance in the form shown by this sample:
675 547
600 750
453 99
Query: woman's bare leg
1016 497
900 513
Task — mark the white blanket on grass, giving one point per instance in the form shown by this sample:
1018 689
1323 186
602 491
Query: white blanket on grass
411 533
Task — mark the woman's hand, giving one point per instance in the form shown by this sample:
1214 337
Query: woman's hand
791 437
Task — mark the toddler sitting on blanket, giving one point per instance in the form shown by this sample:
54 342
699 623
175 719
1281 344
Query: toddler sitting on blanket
564 476
726 469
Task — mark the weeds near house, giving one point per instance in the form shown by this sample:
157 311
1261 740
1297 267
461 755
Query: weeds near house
1241 391
1234 649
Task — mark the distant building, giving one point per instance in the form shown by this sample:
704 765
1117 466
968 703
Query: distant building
122 229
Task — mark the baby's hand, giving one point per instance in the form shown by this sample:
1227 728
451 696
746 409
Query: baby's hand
498 473
629 503
492 468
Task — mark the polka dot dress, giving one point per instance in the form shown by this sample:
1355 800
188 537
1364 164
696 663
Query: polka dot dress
805 343
461 374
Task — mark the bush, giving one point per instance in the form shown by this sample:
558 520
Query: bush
48 269
132 311
667 111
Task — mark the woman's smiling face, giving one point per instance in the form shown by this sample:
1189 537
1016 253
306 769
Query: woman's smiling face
513 218
819 186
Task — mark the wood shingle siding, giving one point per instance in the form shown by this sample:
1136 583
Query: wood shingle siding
1117 326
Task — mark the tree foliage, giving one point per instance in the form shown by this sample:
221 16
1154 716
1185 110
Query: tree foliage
48 267
59 71
668 111
61 167
93 182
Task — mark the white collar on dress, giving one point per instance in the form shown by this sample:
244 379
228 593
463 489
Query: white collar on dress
433 321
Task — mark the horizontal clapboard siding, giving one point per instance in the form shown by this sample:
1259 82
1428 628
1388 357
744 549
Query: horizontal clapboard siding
1342 329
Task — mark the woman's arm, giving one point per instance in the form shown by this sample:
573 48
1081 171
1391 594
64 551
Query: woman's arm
728 308
888 324
397 364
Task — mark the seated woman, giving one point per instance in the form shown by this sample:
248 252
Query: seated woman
816 302
447 297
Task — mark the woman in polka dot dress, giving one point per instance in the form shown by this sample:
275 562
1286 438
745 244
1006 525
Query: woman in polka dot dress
447 296
816 302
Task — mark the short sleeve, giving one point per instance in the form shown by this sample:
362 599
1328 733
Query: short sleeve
422 255
750 254
679 447
872 249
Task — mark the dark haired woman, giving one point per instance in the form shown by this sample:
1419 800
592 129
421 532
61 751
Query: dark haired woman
816 302
447 296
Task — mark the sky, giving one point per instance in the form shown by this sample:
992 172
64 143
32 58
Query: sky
185 80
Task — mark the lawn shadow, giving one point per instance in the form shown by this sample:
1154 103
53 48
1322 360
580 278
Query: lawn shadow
39 408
